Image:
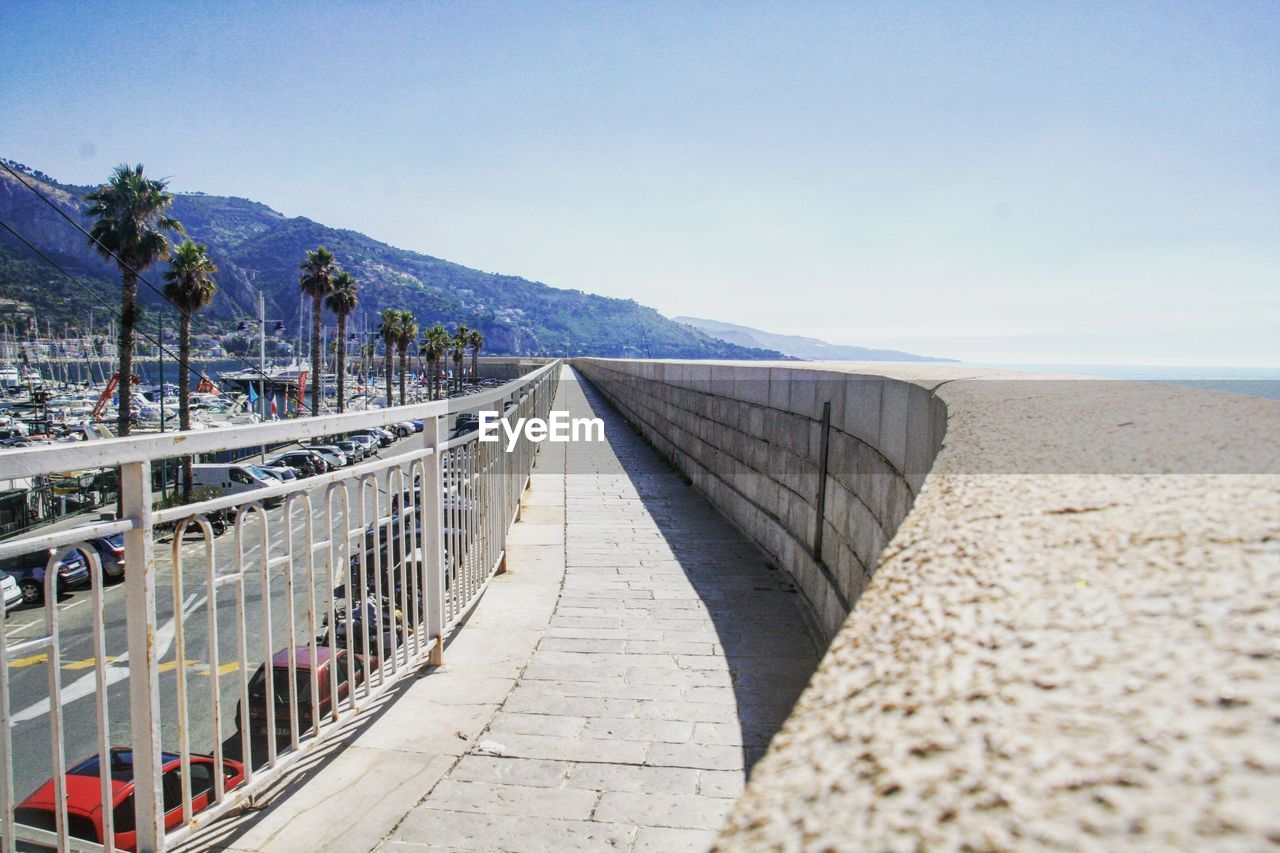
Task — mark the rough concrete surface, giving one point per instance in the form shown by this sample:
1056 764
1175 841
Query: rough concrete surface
1072 639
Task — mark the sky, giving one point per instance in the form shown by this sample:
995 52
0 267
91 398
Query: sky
1010 181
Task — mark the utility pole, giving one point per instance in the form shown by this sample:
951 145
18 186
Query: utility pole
262 364
160 354
164 463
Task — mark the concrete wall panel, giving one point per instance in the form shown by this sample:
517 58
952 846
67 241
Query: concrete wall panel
754 435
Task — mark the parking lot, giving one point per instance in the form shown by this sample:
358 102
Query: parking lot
187 593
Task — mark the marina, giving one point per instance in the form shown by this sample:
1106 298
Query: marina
63 389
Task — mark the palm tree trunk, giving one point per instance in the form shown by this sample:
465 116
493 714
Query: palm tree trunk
475 364
128 320
404 368
184 394
342 360
315 355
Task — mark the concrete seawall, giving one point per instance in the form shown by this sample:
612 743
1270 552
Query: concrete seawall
1051 602
753 439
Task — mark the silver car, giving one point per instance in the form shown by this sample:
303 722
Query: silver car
354 451
283 473
333 455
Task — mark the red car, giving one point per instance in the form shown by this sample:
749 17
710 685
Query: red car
84 796
328 661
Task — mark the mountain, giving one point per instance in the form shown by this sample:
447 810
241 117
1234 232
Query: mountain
257 247
796 346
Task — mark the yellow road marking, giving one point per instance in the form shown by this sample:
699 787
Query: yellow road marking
198 667
173 664
86 663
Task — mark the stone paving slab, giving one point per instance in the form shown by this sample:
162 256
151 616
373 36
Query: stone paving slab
622 678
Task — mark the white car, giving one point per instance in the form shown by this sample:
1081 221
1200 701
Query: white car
12 593
235 479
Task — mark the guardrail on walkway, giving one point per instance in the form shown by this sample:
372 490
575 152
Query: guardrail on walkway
358 573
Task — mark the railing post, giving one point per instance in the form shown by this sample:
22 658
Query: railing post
433 540
144 678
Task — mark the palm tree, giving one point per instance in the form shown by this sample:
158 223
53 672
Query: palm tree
437 341
316 281
342 301
460 339
389 331
190 287
476 339
129 216
408 334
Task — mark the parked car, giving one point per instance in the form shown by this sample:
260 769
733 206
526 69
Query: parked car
418 425
29 571
377 552
111 554
282 473
405 428
321 459
331 454
385 436
10 590
354 452
368 441
303 463
235 480
328 663
84 795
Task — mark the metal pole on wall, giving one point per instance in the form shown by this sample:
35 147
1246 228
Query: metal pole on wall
164 463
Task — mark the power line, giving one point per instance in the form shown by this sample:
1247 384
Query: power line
117 258
89 292
314 405
94 240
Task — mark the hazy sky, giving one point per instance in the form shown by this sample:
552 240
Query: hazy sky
1016 181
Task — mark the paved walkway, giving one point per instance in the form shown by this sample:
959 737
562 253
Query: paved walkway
610 692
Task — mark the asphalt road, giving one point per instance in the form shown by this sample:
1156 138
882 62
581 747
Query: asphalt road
29 677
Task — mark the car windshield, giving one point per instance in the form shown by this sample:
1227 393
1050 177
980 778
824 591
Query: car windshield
280 684
259 473
121 765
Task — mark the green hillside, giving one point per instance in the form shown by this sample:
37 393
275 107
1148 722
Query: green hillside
257 247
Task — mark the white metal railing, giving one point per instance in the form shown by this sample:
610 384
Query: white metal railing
352 582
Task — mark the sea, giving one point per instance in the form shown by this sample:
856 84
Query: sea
1247 381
